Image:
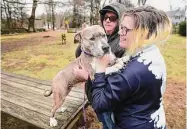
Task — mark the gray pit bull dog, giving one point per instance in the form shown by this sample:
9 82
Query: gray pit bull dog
94 45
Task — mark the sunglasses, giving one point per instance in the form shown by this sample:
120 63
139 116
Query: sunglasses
111 18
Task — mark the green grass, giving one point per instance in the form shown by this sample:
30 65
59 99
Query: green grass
174 52
13 37
45 60
41 61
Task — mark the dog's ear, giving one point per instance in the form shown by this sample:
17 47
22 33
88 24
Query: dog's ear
77 38
84 25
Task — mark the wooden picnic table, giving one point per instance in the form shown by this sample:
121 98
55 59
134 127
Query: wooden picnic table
22 97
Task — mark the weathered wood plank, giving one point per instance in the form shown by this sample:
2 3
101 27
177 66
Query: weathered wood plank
23 98
22 113
71 119
25 82
47 101
32 106
38 91
29 104
34 82
23 86
26 94
13 75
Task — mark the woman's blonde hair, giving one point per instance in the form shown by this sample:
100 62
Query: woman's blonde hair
152 26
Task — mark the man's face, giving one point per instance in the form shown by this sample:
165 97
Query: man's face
110 22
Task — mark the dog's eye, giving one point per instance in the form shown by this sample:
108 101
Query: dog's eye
92 38
103 35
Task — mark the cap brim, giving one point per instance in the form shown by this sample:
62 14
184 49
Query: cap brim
103 11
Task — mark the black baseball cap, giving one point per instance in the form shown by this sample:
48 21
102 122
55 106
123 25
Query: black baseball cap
107 9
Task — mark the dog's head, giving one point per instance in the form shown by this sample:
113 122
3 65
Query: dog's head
93 41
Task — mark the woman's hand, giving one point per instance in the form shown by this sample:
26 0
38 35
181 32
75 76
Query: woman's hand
102 63
80 72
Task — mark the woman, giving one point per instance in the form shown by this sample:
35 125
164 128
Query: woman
135 92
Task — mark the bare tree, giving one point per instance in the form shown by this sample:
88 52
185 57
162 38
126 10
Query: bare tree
50 6
91 12
48 14
8 14
127 3
32 17
141 2
13 14
103 4
53 14
94 11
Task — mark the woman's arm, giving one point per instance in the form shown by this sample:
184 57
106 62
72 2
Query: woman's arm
107 92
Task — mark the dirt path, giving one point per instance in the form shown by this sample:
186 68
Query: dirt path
175 104
29 40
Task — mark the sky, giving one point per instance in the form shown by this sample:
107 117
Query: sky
160 4
165 4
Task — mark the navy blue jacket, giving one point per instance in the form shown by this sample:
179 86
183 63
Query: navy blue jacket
134 94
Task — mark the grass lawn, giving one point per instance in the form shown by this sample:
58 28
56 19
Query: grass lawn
45 58
41 61
174 51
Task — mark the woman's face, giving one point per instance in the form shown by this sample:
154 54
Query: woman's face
110 22
126 32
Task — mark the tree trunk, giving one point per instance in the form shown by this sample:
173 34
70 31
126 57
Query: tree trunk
91 13
74 23
22 19
141 2
32 17
53 16
103 3
8 14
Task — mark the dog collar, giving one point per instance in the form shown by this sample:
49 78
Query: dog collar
89 54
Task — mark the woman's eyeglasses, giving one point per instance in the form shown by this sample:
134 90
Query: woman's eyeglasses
124 29
111 18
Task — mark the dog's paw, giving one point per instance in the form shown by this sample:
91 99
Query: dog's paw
125 59
53 122
61 109
115 68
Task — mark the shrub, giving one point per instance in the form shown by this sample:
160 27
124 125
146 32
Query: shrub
175 29
15 30
72 30
40 29
182 28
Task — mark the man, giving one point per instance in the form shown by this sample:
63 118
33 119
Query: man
109 16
